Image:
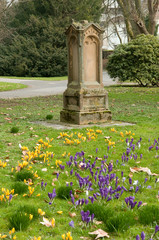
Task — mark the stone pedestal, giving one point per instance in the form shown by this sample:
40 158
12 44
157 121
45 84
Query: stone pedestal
85 99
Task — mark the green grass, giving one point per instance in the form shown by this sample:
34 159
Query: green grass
129 104
10 86
38 78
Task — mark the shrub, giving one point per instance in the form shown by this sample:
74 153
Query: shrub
14 130
19 187
120 222
101 212
49 117
29 210
24 174
149 214
136 61
19 220
64 192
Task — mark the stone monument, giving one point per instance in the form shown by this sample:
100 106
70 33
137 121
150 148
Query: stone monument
85 100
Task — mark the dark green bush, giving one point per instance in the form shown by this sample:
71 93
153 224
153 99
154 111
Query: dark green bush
149 214
29 210
19 220
101 212
19 187
64 192
136 61
49 117
24 174
120 221
14 130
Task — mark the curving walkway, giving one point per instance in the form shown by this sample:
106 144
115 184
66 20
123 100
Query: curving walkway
42 88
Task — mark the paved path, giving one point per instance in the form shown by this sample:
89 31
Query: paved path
42 88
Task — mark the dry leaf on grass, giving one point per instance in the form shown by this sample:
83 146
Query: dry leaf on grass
97 222
47 223
59 137
143 204
142 169
55 172
107 137
9 144
44 169
100 233
72 214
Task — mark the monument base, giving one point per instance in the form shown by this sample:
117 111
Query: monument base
79 117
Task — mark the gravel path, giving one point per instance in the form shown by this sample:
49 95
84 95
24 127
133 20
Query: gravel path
42 88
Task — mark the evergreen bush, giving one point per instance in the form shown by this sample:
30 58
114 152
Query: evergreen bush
136 61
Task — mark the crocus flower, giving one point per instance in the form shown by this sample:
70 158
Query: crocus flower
156 228
52 196
137 237
139 204
143 236
71 224
130 180
10 197
137 189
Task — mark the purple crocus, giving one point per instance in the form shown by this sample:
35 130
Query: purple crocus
143 236
52 196
57 175
10 197
156 229
71 172
71 224
130 180
137 237
139 204
137 189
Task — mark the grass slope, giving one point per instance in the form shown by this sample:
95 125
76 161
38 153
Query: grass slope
10 86
130 104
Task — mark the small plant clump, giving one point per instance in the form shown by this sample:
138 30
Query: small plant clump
14 130
19 220
29 210
24 175
19 187
120 222
49 117
149 215
64 192
101 212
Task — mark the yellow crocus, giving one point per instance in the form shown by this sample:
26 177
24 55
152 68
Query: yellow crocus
63 236
30 217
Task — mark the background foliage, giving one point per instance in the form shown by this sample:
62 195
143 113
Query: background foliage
36 45
137 61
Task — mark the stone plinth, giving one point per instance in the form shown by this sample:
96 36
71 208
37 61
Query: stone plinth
85 99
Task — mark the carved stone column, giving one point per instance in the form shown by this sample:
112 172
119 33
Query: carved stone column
85 99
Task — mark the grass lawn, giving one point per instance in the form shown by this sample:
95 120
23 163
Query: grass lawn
10 86
94 163
38 78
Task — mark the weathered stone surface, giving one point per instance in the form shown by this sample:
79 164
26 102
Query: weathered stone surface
85 100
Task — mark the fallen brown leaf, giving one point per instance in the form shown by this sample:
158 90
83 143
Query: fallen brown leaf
72 214
9 144
100 233
131 175
142 169
97 222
